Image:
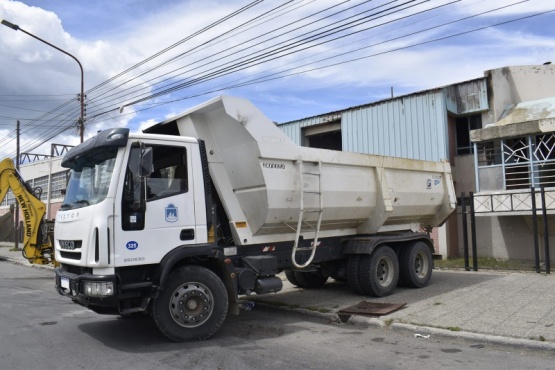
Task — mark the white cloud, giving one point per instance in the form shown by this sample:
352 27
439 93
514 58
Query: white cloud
107 48
146 124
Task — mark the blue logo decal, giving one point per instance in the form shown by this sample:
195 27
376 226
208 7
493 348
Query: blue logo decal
171 213
132 245
436 182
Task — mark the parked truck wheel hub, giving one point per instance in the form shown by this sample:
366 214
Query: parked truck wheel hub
191 304
385 271
421 265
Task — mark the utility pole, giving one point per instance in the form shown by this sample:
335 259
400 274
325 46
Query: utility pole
16 228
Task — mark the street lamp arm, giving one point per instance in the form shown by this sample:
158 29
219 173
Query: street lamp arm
82 97
54 46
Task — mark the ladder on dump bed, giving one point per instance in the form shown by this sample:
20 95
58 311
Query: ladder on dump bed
304 172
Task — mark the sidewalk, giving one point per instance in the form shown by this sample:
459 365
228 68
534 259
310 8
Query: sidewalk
16 257
508 308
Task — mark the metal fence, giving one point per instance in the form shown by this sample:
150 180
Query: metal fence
533 202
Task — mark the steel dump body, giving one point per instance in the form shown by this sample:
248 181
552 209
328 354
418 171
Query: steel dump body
266 182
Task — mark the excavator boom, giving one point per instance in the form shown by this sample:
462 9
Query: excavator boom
37 247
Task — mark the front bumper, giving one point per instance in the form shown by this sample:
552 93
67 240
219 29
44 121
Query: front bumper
72 285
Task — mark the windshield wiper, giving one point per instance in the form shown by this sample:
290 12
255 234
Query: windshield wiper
82 201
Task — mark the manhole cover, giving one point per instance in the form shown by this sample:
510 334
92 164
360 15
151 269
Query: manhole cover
372 309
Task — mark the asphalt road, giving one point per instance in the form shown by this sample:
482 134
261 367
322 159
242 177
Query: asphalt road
40 329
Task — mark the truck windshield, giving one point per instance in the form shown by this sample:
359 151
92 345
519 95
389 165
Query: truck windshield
90 179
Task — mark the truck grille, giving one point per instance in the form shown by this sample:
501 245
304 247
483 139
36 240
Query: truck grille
71 256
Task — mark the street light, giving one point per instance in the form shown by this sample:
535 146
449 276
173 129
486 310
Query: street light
81 117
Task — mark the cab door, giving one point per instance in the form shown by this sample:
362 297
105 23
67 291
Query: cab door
168 217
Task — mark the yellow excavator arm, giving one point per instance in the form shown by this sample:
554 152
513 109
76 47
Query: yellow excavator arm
37 247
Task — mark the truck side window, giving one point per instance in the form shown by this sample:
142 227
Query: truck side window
168 178
169 175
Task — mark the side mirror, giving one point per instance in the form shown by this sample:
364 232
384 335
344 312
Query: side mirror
145 168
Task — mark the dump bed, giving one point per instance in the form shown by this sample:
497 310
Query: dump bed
266 182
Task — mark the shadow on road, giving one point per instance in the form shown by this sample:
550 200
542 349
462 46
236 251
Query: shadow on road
140 334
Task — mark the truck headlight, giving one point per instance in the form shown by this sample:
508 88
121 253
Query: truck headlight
98 288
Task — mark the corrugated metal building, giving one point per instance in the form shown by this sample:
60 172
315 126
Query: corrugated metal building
430 125
410 126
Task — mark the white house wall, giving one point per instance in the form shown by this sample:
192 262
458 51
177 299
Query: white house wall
513 85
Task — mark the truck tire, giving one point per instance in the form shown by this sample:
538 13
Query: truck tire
379 272
353 272
415 265
192 305
290 275
311 279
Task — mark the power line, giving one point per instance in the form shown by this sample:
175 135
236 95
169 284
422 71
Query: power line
242 63
280 49
269 78
235 13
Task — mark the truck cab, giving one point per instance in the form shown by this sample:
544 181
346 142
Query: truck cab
108 195
110 248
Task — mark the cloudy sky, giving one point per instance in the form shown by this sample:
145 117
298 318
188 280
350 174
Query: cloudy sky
146 60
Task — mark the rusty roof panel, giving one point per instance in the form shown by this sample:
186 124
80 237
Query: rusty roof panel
467 97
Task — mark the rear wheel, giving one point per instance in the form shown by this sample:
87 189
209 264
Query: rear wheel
416 264
310 279
353 273
192 305
379 272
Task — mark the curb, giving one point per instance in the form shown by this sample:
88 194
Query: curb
379 323
475 337
26 263
464 335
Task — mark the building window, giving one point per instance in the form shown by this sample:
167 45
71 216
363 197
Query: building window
59 181
325 136
40 186
517 163
463 127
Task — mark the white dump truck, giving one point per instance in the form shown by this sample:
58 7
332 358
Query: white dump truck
213 204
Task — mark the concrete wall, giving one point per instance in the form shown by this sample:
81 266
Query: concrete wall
508 237
512 85
40 168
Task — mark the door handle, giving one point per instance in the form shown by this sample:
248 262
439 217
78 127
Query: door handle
187 234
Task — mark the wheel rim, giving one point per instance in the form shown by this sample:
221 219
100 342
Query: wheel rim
420 265
385 271
191 304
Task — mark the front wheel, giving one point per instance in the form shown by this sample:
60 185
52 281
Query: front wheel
192 305
416 263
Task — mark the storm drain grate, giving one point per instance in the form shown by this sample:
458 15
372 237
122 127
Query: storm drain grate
372 309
